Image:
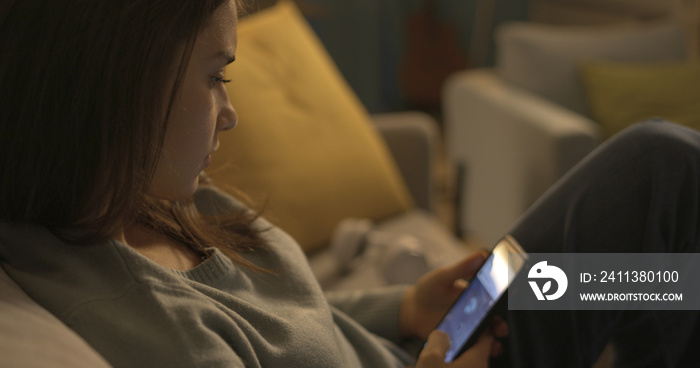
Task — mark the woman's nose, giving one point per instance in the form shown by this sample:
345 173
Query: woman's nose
227 117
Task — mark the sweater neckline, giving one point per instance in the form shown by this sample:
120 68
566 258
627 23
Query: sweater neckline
216 266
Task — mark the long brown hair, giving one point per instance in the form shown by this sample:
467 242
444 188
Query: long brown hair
86 92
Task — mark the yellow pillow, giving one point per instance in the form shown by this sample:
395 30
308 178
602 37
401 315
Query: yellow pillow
304 144
622 94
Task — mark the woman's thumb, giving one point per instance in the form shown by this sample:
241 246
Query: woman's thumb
433 354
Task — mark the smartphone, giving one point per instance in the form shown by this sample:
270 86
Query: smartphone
472 311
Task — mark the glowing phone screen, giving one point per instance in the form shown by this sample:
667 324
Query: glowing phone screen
489 284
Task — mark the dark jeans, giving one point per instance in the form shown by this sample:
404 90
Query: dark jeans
638 192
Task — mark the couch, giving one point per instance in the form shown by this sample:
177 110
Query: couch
333 162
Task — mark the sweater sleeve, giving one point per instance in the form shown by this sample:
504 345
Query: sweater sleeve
377 310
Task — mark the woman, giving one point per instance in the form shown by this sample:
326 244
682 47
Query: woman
112 111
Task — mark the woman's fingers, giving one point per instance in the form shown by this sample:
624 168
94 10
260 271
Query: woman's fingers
499 327
478 355
466 268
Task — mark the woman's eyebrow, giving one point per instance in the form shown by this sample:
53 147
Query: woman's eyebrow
225 56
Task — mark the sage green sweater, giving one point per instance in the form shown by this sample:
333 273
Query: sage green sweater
219 314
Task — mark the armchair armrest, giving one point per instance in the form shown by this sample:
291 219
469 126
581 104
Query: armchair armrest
513 144
412 138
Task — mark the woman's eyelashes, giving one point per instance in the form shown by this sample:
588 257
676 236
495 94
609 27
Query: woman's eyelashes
219 80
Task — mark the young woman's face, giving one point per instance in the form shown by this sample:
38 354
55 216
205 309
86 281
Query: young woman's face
201 110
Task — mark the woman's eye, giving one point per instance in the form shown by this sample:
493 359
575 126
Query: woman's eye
219 80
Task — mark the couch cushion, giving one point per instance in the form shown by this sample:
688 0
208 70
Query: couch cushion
621 94
304 144
33 337
545 59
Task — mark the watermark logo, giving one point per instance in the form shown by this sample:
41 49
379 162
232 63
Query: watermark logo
542 270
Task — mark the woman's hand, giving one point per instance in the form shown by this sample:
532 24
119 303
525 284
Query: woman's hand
426 302
433 354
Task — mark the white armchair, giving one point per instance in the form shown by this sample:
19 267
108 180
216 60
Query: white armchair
512 144
520 126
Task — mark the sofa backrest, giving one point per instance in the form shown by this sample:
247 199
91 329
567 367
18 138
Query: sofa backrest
30 336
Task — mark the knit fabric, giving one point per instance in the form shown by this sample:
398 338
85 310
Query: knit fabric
137 313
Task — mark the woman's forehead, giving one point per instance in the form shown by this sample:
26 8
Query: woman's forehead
218 39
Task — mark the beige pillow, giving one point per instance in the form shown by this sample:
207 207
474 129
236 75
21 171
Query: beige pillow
620 94
304 144
545 59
